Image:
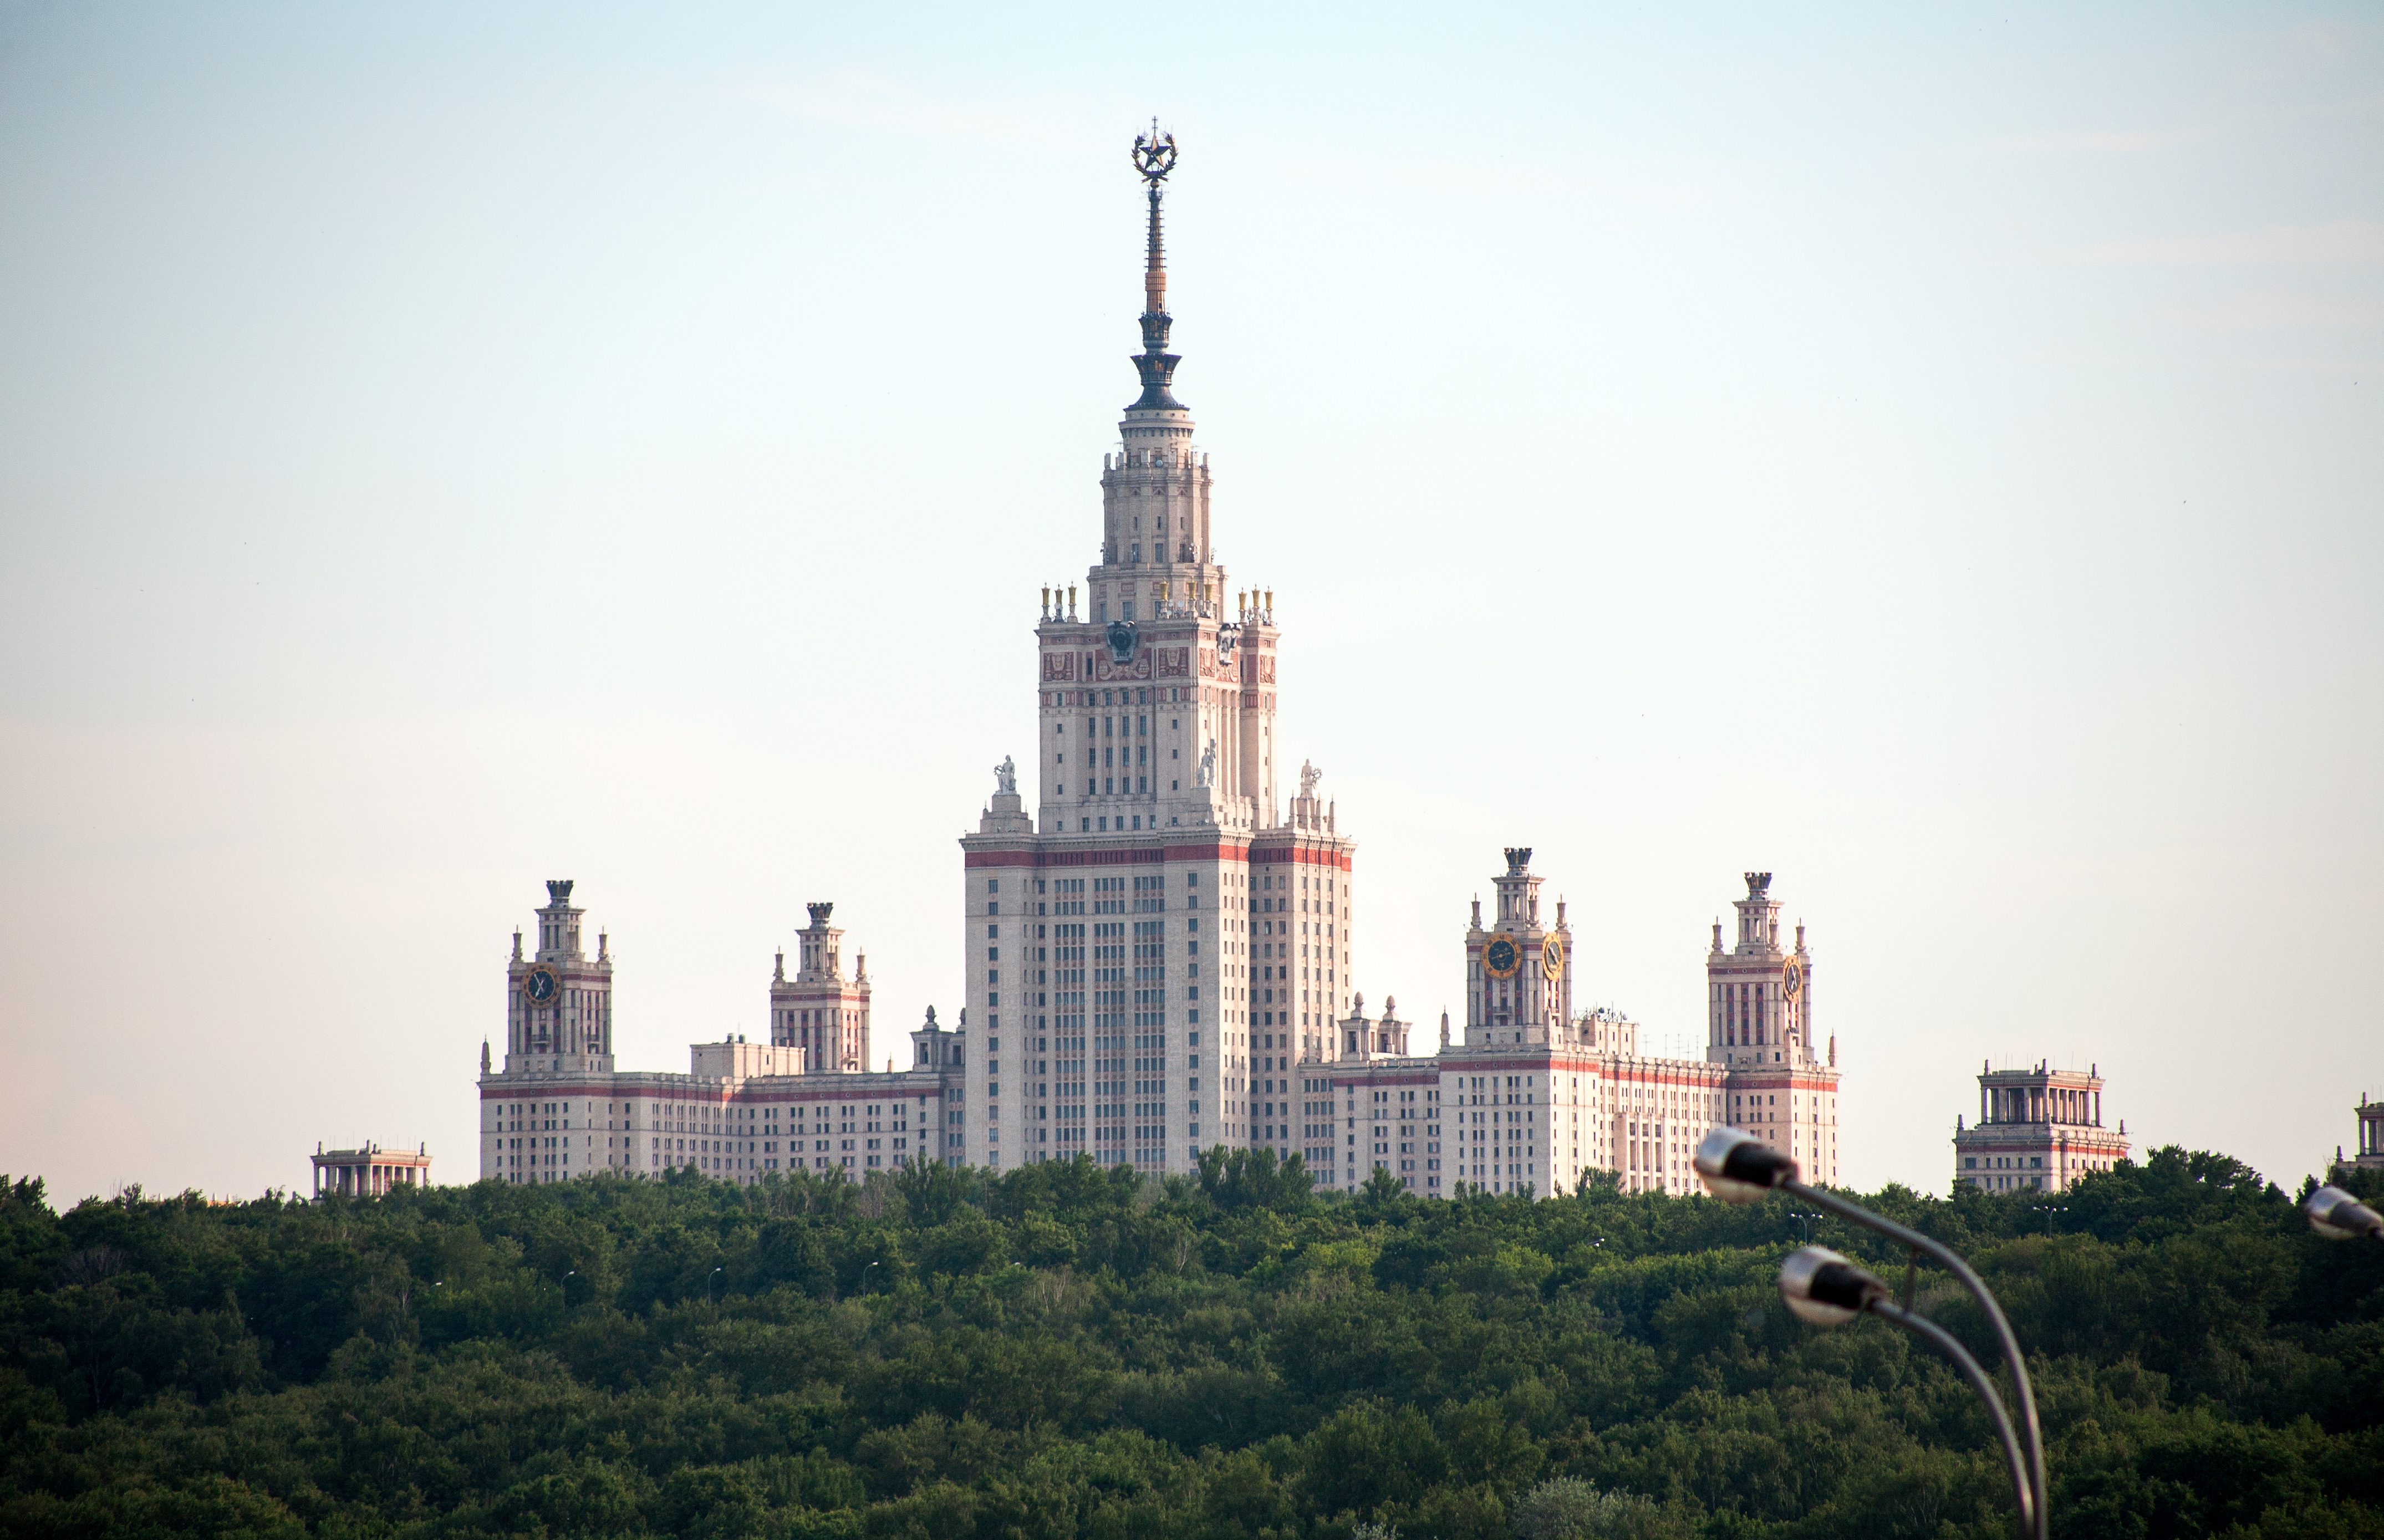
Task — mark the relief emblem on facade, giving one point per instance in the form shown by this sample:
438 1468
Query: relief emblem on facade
1208 662
1104 670
1175 662
1266 668
1059 666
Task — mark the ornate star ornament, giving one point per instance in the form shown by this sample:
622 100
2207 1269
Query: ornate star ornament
1154 154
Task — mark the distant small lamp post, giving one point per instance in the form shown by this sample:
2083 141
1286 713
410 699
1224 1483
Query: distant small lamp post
2337 1215
707 1283
1739 1168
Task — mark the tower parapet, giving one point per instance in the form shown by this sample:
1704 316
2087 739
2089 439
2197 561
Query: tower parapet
1363 1041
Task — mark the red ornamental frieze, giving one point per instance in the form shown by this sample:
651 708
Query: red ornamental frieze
1266 668
1138 669
1208 662
1175 662
1059 666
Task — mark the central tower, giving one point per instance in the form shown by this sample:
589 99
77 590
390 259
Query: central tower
1176 937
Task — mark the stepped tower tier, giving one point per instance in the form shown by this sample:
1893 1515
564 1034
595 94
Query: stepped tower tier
1156 944
1158 695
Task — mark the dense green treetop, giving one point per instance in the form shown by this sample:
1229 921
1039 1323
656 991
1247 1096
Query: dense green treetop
1067 1350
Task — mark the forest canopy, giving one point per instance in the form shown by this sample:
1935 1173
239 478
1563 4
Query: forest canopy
1071 1350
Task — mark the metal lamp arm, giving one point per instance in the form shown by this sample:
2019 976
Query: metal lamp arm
2023 1492
2034 1439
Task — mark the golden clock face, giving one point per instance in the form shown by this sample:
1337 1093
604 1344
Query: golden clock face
541 984
1552 957
1501 958
1792 979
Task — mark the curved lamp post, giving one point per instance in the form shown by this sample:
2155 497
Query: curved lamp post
1739 1168
2337 1215
1824 1289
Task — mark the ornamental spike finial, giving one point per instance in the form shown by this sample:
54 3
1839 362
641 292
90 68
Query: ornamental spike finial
1154 157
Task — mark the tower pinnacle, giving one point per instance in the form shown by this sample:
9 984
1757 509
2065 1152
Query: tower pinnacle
1154 157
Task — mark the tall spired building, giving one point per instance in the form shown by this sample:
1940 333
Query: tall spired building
1156 952
1164 926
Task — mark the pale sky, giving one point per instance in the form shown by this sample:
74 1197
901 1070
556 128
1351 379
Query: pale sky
1928 453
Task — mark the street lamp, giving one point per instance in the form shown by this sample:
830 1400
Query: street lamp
707 1283
2337 1215
1824 1289
1739 1168
2048 1211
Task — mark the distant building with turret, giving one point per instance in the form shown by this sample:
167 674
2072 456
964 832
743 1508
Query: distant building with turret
2038 1128
803 1100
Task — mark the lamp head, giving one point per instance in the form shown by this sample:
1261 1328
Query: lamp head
1739 1168
2337 1215
1824 1289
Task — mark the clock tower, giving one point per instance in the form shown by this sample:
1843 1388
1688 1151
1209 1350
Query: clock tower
559 1002
1784 1085
1518 971
1758 996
